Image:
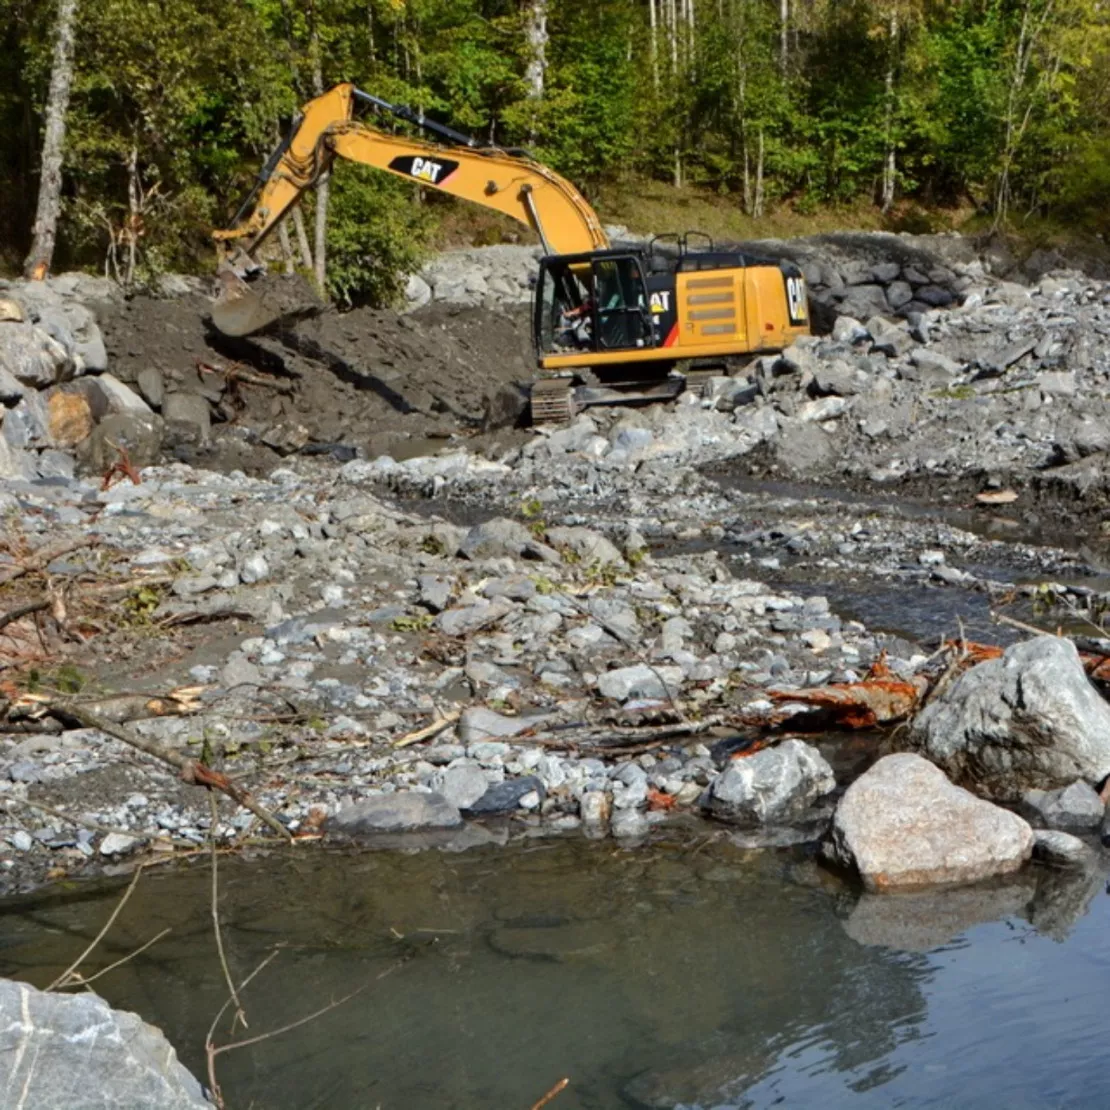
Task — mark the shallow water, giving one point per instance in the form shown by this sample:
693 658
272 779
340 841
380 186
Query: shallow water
681 974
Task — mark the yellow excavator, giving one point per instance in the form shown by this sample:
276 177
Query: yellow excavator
611 324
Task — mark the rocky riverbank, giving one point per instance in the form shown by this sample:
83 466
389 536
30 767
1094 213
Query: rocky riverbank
590 630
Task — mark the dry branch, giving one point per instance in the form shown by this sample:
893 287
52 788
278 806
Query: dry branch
428 731
560 1086
63 979
191 771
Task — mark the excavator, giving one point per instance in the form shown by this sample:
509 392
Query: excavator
611 323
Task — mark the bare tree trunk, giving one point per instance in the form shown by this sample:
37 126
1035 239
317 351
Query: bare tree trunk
535 31
749 196
654 44
286 246
784 33
45 230
672 29
320 252
302 238
134 211
757 204
890 165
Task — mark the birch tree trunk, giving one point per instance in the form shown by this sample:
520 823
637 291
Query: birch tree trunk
45 230
654 44
535 31
890 165
784 33
302 238
286 246
757 204
320 244
535 73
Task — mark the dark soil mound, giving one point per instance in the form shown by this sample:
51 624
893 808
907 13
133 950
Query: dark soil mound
371 379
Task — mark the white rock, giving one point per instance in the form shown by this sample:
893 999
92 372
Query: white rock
115 844
1030 718
902 824
773 785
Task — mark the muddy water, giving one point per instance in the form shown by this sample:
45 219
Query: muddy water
681 974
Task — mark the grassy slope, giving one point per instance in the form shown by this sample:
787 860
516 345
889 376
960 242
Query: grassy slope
649 207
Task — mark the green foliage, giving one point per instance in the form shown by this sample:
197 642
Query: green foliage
418 623
376 235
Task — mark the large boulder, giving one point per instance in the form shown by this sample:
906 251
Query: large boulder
1028 720
32 356
70 418
588 546
76 1051
139 433
495 538
395 813
902 824
771 787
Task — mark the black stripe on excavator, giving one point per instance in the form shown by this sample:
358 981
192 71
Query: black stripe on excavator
266 172
432 171
418 118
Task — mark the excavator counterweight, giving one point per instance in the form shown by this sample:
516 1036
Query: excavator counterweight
609 325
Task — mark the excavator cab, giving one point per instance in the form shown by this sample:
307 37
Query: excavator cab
594 302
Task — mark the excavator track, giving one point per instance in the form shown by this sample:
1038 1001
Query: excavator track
697 381
553 401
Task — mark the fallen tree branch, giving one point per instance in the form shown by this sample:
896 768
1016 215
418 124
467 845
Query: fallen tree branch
240 1014
191 771
428 731
21 611
62 979
1021 626
560 1086
84 981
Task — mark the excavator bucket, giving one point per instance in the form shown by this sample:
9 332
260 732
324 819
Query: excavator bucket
246 307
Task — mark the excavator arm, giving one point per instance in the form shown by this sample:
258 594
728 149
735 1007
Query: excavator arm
508 181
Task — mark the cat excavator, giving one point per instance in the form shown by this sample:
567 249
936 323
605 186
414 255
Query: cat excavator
611 323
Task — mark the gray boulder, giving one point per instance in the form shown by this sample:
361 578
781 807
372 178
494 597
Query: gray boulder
495 538
151 385
1073 807
461 785
32 356
107 394
591 547
640 681
771 787
1060 849
505 797
473 618
138 432
394 813
1029 719
478 723
11 392
902 824
188 418
76 1051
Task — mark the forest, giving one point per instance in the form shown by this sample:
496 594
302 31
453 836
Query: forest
998 107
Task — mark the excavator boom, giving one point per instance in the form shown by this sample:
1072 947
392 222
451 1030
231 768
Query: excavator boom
508 181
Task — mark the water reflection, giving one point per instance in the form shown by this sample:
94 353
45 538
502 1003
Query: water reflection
662 977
